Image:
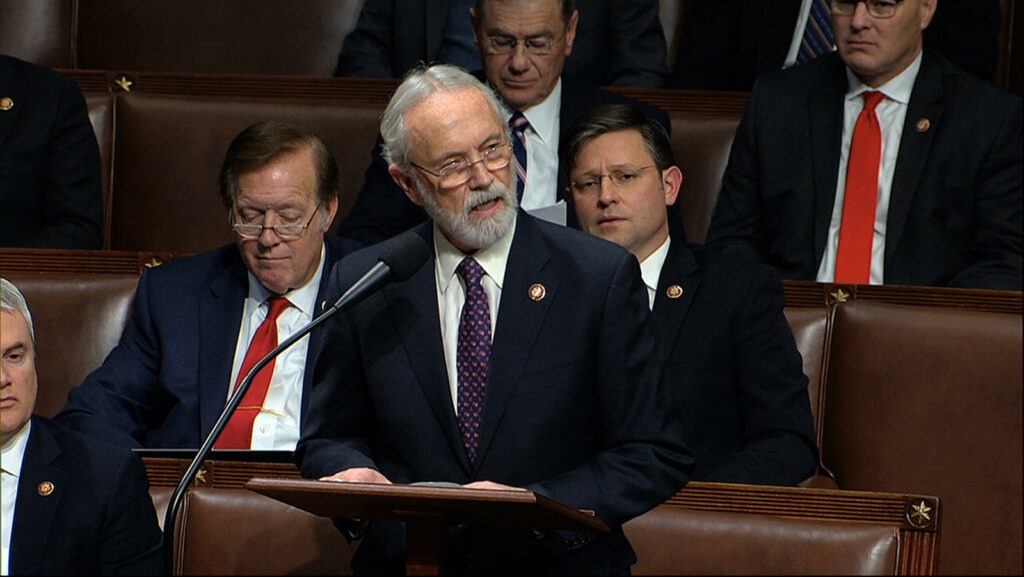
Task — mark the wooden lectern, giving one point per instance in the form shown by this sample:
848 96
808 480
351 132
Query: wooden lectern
427 510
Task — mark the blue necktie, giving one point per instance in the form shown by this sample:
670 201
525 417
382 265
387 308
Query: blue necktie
473 355
818 38
519 124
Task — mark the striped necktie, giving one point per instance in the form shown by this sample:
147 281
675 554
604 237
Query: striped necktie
519 124
818 38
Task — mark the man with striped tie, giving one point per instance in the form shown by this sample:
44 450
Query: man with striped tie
881 163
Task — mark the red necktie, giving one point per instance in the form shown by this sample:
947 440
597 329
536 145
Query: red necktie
473 357
238 432
857 230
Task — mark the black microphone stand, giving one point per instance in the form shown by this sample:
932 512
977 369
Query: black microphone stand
229 409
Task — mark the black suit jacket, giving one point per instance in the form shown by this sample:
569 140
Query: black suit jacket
955 210
382 209
591 426
51 187
95 516
166 382
728 44
618 42
733 365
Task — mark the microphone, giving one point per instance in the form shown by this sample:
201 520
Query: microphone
400 258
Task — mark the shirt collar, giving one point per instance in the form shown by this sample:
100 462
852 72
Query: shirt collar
302 298
544 116
650 269
898 88
493 259
12 454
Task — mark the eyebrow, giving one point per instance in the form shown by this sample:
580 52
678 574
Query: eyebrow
14 347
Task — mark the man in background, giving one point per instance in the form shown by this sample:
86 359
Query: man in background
729 354
200 323
71 505
881 163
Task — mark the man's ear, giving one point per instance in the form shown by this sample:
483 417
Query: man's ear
672 180
570 31
405 182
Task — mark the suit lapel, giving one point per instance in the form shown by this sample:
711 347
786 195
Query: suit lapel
220 315
825 104
925 103
36 508
679 270
520 318
14 90
414 310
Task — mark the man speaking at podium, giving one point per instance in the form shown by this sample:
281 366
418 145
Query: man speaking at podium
564 400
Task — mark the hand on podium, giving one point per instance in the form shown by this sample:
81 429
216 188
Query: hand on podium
492 486
358 475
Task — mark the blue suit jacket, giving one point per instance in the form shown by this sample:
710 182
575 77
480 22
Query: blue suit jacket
166 382
955 210
52 196
618 42
732 362
382 209
97 520
574 406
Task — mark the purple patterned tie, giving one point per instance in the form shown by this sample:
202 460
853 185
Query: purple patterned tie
473 357
519 124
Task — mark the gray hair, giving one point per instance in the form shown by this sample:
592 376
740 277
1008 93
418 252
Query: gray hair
419 84
12 300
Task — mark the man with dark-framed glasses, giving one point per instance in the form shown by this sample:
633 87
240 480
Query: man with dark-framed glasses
200 323
879 163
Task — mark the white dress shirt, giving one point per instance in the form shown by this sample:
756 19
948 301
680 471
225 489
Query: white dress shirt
12 454
650 269
451 293
542 151
891 113
277 427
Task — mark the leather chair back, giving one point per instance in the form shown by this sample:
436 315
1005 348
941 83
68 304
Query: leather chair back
810 330
701 145
928 399
39 31
101 115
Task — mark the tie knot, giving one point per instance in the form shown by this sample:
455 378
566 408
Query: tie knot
871 100
518 122
470 271
276 306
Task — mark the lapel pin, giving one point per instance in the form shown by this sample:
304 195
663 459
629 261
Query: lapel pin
45 488
323 306
6 103
923 125
673 292
537 291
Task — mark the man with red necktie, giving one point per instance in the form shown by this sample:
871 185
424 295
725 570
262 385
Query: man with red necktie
881 163
200 323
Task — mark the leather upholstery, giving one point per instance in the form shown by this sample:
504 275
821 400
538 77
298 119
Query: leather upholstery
101 114
701 146
39 31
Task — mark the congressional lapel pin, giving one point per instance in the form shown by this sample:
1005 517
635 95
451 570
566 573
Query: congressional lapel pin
673 292
323 306
6 103
923 125
45 488
537 291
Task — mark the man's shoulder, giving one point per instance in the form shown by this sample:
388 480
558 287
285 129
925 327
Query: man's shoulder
727 271
97 456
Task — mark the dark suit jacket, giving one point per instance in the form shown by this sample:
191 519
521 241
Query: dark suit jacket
618 42
732 362
589 426
382 209
166 382
728 44
98 519
52 195
955 211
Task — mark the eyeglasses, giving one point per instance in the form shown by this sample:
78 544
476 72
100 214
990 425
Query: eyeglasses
876 8
538 46
623 178
283 231
456 172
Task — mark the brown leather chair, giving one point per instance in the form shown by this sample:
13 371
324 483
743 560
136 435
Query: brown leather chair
701 145
238 532
170 148
78 318
673 15
226 36
101 115
810 330
39 31
928 399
